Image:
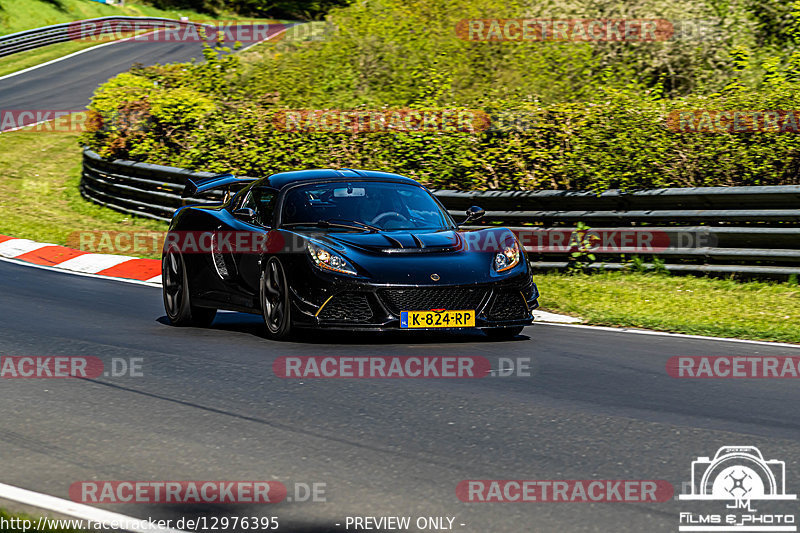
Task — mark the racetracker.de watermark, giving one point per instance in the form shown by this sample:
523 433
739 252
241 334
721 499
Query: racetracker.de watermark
243 31
381 120
734 121
398 367
178 492
586 30
187 242
533 240
48 367
564 491
733 367
611 240
593 30
48 120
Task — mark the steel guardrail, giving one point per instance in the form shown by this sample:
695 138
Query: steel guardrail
744 230
69 31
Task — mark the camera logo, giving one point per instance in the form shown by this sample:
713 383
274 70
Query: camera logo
737 475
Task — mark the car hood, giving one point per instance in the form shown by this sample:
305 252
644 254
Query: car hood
399 242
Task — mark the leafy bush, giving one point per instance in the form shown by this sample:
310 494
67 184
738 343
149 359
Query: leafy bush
577 115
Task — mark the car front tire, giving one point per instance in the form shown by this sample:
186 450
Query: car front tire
275 305
175 290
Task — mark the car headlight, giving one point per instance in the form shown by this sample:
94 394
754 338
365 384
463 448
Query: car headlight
508 258
327 260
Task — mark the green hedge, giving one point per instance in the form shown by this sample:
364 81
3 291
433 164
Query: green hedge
583 116
620 142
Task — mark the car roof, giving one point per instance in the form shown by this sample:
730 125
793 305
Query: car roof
283 179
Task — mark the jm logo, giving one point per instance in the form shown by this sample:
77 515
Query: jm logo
738 473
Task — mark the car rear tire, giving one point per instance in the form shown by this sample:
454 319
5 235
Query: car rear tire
275 305
175 289
503 333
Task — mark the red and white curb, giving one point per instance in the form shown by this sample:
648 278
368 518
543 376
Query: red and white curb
147 271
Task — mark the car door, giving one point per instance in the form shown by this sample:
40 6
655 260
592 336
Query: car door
248 250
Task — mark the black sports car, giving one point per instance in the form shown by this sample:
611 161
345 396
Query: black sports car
346 249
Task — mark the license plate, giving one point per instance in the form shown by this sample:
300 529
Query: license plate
437 319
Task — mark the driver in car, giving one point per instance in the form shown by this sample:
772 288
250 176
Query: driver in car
382 209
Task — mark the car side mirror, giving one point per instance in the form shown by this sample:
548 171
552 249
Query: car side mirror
245 213
474 213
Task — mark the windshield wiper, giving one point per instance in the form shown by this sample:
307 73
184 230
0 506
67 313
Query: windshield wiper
343 222
350 224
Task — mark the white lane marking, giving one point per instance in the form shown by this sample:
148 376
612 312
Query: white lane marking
93 48
74 273
73 54
62 58
34 124
25 126
544 316
673 335
155 279
78 510
56 60
262 40
94 263
15 247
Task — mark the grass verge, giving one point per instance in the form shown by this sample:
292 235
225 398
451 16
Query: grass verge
39 200
680 304
20 15
39 196
23 523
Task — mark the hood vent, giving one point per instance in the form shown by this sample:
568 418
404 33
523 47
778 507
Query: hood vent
401 242
392 240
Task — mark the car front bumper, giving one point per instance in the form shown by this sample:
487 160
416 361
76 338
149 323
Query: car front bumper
362 305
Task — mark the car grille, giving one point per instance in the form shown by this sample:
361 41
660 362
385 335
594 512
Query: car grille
348 306
423 299
508 305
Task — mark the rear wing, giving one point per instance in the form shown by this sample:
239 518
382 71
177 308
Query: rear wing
221 181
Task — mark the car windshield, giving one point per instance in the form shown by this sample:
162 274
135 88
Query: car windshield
381 205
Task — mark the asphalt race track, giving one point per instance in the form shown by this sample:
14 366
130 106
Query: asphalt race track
69 84
597 404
